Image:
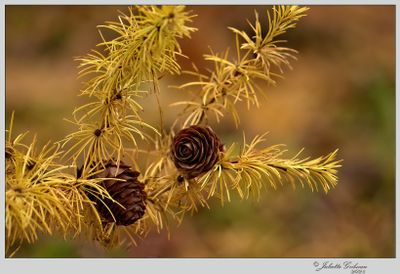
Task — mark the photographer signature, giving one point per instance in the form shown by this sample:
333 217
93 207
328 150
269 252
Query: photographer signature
354 267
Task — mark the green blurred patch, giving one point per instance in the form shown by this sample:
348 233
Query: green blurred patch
46 120
55 40
367 119
372 111
50 248
223 216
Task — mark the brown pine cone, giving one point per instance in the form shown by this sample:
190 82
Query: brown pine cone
129 193
195 150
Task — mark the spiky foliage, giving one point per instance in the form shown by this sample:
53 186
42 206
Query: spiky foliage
34 197
145 46
266 48
254 168
43 197
234 80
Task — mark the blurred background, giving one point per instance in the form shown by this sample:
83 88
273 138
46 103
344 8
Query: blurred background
341 94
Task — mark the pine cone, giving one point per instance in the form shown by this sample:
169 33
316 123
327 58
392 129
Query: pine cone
129 193
195 150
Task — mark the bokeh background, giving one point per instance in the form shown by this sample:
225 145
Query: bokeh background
341 94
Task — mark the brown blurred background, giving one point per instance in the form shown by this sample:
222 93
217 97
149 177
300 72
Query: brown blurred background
341 94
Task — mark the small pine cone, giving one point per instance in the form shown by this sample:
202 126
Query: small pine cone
195 150
129 193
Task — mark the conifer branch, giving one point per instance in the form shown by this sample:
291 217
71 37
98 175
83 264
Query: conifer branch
233 81
41 196
250 171
105 197
146 44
